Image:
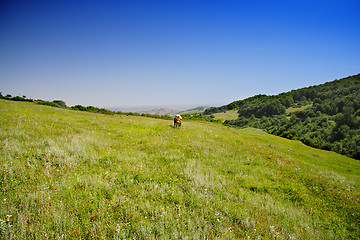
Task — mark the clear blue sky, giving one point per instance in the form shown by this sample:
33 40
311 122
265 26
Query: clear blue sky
129 53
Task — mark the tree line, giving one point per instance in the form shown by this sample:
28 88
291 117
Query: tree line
62 104
326 116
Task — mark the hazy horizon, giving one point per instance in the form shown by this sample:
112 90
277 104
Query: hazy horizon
150 108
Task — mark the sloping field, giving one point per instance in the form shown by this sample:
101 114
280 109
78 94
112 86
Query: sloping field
228 115
292 109
76 175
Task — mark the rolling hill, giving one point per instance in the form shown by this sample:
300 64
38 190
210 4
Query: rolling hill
326 116
79 175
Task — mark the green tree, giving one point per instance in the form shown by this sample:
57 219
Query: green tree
60 103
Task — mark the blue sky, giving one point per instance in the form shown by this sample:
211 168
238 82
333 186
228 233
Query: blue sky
173 52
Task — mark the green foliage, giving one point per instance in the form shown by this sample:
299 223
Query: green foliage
60 103
55 103
42 102
83 175
16 98
324 116
262 108
92 109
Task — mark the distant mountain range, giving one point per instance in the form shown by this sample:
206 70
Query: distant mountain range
163 110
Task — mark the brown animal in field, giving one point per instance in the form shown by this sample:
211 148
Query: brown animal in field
177 121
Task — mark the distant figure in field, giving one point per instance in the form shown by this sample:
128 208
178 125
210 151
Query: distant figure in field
177 121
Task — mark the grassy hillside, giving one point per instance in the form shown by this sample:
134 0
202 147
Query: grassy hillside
228 115
78 175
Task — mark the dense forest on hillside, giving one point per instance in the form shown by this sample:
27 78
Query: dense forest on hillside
326 116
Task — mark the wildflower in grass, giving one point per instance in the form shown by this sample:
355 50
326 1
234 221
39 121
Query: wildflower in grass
3 191
117 228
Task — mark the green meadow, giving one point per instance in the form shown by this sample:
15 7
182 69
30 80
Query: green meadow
68 174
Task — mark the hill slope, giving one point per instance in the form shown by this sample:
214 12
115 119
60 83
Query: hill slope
70 174
326 116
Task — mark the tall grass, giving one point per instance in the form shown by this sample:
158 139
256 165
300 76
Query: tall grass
75 175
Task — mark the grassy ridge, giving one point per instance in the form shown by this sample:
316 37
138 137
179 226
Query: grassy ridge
68 174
